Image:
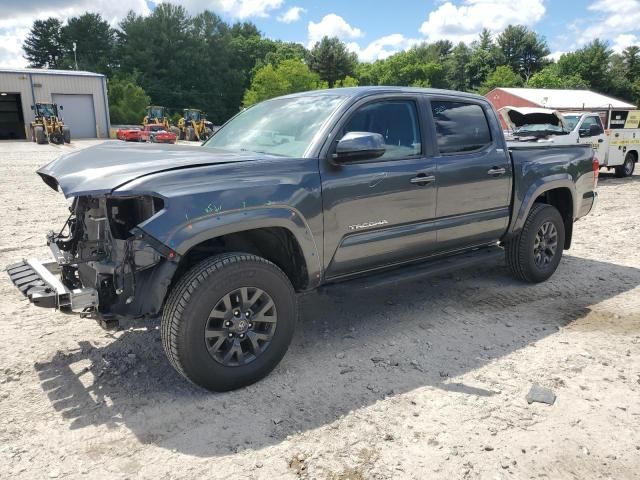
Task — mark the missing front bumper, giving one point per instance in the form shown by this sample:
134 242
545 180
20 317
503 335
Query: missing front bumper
40 283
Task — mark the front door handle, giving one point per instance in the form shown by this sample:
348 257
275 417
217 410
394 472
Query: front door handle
423 179
496 172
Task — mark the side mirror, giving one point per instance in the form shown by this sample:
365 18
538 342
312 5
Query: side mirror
595 130
61 107
356 146
33 107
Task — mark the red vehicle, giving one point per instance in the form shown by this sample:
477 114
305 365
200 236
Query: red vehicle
129 134
157 134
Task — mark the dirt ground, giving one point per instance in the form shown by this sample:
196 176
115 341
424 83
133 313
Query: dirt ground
420 380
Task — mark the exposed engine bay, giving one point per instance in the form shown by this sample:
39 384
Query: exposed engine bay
101 247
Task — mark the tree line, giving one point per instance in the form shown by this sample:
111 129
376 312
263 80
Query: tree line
178 60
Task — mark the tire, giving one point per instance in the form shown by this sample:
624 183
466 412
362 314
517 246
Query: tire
520 251
66 134
627 168
190 134
41 138
195 301
175 130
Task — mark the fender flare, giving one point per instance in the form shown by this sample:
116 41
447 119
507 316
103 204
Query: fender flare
209 227
538 188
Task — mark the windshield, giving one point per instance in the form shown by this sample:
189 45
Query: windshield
156 112
571 121
47 110
282 126
540 127
192 115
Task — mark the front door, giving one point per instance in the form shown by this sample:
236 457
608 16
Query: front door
474 174
377 211
591 132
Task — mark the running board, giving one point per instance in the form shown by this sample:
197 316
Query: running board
440 266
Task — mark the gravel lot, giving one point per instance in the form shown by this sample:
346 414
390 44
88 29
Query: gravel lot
421 380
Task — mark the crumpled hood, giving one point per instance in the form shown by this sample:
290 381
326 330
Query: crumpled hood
102 168
516 117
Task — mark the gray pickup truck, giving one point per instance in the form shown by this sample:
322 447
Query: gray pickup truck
308 190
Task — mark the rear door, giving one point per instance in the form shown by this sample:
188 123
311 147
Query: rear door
379 212
474 173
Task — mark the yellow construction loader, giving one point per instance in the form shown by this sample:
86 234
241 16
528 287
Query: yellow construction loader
48 125
156 115
192 126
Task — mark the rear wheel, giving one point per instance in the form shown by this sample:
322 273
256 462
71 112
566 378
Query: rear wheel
534 254
229 321
627 168
66 133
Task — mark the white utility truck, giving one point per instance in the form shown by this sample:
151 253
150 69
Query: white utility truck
617 146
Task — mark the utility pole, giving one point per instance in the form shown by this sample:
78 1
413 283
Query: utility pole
74 55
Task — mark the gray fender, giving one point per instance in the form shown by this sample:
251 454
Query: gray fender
538 188
209 227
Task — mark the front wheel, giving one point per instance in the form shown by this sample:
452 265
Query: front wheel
229 321
627 168
534 254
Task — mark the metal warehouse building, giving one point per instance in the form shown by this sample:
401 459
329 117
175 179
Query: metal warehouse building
83 96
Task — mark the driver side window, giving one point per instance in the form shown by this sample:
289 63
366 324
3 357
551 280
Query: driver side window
396 121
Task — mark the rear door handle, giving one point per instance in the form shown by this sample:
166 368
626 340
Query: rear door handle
423 179
495 171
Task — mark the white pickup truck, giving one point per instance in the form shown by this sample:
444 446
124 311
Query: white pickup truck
617 146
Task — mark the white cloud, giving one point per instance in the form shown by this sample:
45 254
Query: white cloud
15 25
555 56
332 25
292 15
463 21
614 17
382 47
234 8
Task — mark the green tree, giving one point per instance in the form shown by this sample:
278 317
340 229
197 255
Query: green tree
43 45
330 59
347 82
485 56
127 101
502 76
550 77
457 66
289 76
523 50
591 63
631 59
95 43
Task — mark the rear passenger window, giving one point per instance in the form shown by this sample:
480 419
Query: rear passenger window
460 127
396 121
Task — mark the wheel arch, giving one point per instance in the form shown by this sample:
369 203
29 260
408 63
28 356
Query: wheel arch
559 192
279 234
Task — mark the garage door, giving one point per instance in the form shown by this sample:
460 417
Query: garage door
78 114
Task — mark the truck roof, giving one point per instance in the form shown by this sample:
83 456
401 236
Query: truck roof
356 92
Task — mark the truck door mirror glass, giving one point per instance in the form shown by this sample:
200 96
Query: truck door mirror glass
356 146
61 107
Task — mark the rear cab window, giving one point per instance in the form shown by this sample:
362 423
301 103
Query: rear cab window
461 127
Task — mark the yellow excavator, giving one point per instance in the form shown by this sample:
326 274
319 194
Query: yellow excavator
192 126
156 115
48 125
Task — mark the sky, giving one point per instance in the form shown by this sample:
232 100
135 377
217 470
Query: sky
373 29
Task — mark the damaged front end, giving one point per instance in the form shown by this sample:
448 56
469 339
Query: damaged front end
106 267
